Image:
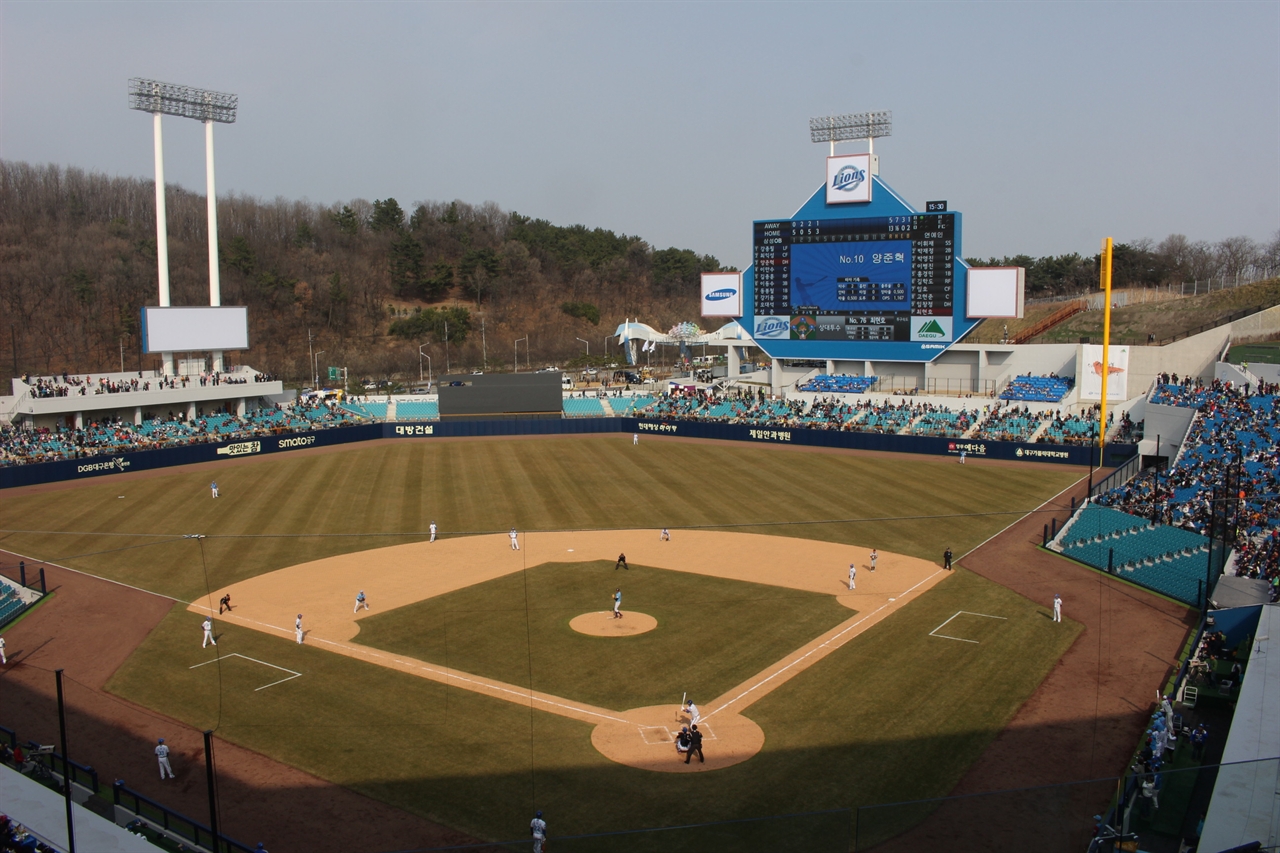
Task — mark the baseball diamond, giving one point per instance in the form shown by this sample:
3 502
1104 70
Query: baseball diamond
469 668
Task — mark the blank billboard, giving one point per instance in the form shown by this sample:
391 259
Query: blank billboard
996 292
195 329
501 395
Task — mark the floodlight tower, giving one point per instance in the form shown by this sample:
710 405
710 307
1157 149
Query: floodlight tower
207 106
850 128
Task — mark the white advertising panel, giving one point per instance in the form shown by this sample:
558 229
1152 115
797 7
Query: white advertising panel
773 328
1089 373
849 178
996 292
722 294
195 329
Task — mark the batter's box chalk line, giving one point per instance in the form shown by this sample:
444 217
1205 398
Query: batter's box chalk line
292 674
934 632
653 735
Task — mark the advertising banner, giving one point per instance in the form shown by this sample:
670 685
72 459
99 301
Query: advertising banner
1089 373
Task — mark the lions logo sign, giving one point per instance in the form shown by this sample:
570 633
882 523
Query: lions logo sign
849 179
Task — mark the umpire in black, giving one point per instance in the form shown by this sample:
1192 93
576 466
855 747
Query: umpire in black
695 745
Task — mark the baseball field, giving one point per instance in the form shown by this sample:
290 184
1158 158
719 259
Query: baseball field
483 682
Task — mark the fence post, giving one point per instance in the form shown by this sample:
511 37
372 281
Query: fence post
22 572
1045 543
43 590
1111 561
1054 529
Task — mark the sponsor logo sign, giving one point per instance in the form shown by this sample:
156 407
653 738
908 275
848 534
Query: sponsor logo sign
931 328
415 429
241 448
299 441
116 463
849 179
775 328
722 294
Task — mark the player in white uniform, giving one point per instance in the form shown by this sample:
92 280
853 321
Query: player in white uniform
665 535
635 439
853 574
360 602
692 710
617 603
873 559
538 829
1057 608
208 633
515 540
297 628
433 531
162 755
3 659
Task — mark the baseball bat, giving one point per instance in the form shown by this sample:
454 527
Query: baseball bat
681 708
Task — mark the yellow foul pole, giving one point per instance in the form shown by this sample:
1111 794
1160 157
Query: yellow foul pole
1106 343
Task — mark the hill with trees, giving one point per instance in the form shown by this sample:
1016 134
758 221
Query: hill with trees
368 281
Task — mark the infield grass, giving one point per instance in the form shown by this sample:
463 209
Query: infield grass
486 629
283 510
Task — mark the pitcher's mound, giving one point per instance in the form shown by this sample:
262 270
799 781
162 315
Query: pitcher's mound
648 741
602 624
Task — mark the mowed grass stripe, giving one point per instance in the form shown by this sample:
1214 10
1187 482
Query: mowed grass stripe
558 483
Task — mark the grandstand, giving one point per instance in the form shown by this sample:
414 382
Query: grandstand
1036 389
823 383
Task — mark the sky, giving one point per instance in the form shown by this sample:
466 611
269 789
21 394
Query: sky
1048 125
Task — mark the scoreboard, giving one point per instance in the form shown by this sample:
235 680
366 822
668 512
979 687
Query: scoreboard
864 279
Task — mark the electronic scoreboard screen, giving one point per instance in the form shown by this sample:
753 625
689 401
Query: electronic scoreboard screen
863 279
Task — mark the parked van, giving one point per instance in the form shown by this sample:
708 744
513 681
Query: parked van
566 382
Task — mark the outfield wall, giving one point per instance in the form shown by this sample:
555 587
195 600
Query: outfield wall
168 457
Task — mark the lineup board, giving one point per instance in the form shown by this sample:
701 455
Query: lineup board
867 279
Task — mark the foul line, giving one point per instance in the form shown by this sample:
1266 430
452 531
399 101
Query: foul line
934 632
762 682
255 660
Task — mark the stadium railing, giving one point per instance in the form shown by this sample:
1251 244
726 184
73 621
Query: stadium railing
171 824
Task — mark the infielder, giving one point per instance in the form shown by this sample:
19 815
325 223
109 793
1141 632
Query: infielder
297 628
853 575
692 710
162 755
873 559
538 829
213 487
665 535
515 540
208 633
617 603
360 602
1057 608
433 531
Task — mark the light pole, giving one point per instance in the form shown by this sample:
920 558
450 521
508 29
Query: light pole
588 346
203 105
421 356
447 369
315 372
517 351
849 128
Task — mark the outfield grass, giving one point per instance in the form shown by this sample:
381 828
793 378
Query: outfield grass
283 510
482 629
893 715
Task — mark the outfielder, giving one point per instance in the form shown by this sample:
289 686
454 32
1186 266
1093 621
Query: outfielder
208 633
213 487
3 660
433 531
538 829
635 439
360 602
515 540
162 755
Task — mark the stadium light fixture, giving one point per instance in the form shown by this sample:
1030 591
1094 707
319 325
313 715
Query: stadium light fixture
208 106
851 127
588 343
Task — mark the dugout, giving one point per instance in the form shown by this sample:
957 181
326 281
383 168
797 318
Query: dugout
500 396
